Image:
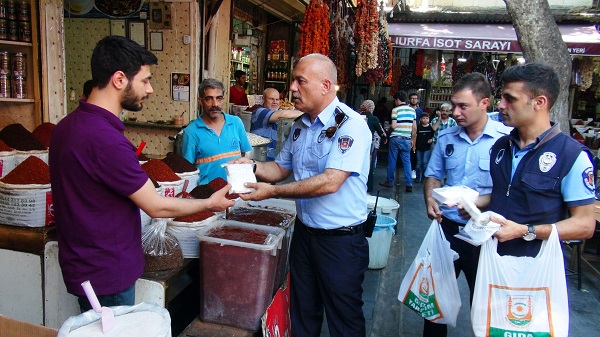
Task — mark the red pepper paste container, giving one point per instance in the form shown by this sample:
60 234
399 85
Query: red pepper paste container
271 212
238 262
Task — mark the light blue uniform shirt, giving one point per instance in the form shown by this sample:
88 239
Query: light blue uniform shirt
308 152
464 162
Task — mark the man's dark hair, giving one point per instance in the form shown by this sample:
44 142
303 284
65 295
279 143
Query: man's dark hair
401 95
538 79
210 83
87 88
477 83
116 53
239 73
412 94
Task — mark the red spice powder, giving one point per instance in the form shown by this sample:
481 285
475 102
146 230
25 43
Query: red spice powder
159 171
202 192
32 170
184 195
218 183
248 235
4 147
43 133
19 138
195 217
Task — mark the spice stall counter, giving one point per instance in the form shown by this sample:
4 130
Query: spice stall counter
22 254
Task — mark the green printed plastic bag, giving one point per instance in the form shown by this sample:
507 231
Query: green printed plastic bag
429 287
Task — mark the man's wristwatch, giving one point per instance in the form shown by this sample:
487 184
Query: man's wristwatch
530 235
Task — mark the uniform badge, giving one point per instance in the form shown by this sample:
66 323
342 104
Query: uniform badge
547 161
449 150
499 156
296 134
588 178
321 137
345 143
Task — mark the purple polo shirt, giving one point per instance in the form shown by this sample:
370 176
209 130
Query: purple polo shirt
93 170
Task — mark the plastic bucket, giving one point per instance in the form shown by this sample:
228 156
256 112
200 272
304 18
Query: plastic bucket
385 206
380 241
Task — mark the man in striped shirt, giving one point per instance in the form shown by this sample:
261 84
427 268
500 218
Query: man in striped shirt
402 140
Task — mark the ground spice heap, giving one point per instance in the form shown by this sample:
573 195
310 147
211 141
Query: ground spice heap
258 216
219 183
4 147
19 138
32 170
239 234
200 216
159 171
179 164
43 133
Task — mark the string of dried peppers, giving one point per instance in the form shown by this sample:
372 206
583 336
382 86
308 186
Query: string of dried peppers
366 30
314 37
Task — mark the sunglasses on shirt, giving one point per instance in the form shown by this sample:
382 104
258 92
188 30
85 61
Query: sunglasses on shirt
340 118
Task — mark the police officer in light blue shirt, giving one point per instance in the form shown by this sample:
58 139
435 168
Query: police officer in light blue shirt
327 150
461 156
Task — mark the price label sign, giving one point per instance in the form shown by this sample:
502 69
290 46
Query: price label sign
180 87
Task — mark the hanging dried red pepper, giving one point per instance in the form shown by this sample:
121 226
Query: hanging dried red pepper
314 37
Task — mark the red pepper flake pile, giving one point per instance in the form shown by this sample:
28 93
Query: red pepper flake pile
159 171
4 147
202 192
200 216
218 183
179 164
43 133
239 234
32 170
19 138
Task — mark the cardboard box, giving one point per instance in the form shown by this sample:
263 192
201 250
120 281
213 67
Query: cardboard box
13 328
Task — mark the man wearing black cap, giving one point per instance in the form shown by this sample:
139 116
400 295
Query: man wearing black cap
402 140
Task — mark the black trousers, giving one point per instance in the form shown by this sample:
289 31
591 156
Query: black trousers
467 263
326 274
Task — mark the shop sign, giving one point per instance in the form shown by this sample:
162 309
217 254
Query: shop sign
456 44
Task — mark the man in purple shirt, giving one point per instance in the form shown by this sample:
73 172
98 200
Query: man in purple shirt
98 186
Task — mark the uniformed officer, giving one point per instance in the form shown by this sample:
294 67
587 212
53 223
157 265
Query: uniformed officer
328 153
540 174
462 156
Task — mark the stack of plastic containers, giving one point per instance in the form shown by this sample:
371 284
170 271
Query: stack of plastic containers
238 262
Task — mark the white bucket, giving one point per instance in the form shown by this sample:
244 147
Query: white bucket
385 206
191 177
187 235
380 241
26 205
171 188
8 161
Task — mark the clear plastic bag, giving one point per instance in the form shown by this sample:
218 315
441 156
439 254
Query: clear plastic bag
161 249
429 287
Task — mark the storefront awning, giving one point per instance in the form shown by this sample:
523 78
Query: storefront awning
580 39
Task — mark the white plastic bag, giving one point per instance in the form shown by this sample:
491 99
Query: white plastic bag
429 286
521 296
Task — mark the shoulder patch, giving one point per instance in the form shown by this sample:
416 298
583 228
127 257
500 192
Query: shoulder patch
345 143
588 178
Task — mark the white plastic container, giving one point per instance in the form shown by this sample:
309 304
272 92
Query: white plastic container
454 194
385 206
380 241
